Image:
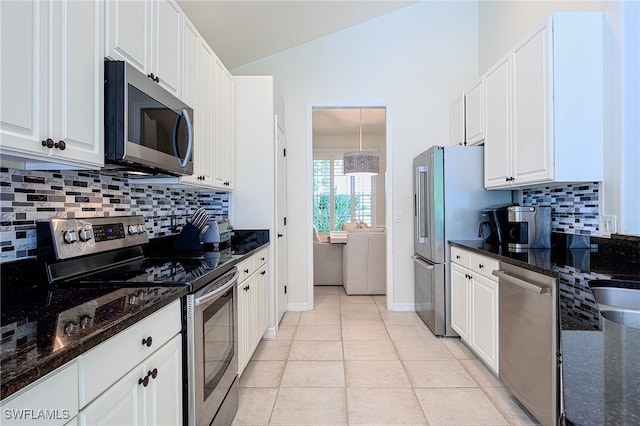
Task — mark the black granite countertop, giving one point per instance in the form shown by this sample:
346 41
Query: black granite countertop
600 358
33 313
33 339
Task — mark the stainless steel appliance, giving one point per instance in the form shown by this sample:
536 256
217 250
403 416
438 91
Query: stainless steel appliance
147 130
448 197
528 227
113 251
212 358
528 336
493 221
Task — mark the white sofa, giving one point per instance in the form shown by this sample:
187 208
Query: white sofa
364 269
327 262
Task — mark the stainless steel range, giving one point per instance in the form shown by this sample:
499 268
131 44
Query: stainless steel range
90 252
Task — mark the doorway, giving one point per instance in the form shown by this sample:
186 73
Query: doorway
342 203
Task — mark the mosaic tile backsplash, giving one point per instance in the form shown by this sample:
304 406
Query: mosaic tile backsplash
26 196
574 207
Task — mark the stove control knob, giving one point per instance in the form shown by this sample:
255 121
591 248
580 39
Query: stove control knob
70 236
142 228
71 328
85 234
85 321
133 229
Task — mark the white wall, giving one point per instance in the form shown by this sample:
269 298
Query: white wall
416 60
502 24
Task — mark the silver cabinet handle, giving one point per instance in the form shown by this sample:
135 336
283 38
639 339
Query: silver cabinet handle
521 283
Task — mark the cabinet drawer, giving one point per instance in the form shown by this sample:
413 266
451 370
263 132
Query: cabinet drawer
56 393
460 256
106 363
246 268
261 257
483 265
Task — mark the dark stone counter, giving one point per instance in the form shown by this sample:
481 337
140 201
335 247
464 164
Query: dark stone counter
33 339
600 358
33 313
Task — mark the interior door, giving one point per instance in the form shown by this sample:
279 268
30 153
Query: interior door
281 214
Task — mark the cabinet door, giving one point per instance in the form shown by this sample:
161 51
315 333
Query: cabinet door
23 39
460 300
197 91
484 319
497 144
167 42
190 54
164 392
262 303
456 124
223 121
128 32
532 153
474 121
121 404
77 90
57 393
245 317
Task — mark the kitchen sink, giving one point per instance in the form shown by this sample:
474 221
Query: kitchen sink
627 318
618 301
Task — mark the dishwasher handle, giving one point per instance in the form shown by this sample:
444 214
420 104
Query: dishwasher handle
521 283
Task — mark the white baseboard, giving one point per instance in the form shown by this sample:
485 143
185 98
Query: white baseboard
299 307
270 333
404 307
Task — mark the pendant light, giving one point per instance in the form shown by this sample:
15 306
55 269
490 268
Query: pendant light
360 162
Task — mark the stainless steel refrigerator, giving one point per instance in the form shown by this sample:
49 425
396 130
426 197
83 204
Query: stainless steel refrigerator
448 191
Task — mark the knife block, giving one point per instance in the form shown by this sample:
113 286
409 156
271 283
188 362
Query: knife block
188 239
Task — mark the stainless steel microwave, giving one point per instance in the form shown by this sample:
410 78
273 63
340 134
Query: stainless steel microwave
148 131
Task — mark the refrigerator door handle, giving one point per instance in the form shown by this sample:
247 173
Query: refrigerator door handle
421 211
425 265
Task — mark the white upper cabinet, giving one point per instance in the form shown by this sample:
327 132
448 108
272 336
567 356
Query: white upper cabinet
457 123
544 106
223 126
148 35
474 115
51 79
497 147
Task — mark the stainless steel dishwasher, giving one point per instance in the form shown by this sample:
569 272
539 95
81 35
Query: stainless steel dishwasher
528 339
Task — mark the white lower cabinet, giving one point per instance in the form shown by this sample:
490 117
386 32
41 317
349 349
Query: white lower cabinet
148 395
474 303
253 305
460 289
133 378
52 400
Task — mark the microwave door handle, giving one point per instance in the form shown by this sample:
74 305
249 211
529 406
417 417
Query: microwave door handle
183 114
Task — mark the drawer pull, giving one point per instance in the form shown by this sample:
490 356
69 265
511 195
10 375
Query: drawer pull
148 341
144 382
246 271
457 256
263 272
480 265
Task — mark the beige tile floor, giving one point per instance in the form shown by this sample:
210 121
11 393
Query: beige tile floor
352 362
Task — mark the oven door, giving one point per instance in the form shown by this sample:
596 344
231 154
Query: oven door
212 344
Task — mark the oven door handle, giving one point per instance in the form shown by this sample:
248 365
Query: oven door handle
206 296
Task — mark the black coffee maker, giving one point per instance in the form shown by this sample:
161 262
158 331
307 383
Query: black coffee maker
493 225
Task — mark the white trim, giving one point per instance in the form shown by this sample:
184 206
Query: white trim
270 333
388 194
404 307
297 307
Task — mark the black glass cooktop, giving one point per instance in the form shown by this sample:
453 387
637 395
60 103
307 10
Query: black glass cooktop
160 271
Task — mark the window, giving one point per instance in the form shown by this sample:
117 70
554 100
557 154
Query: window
337 198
